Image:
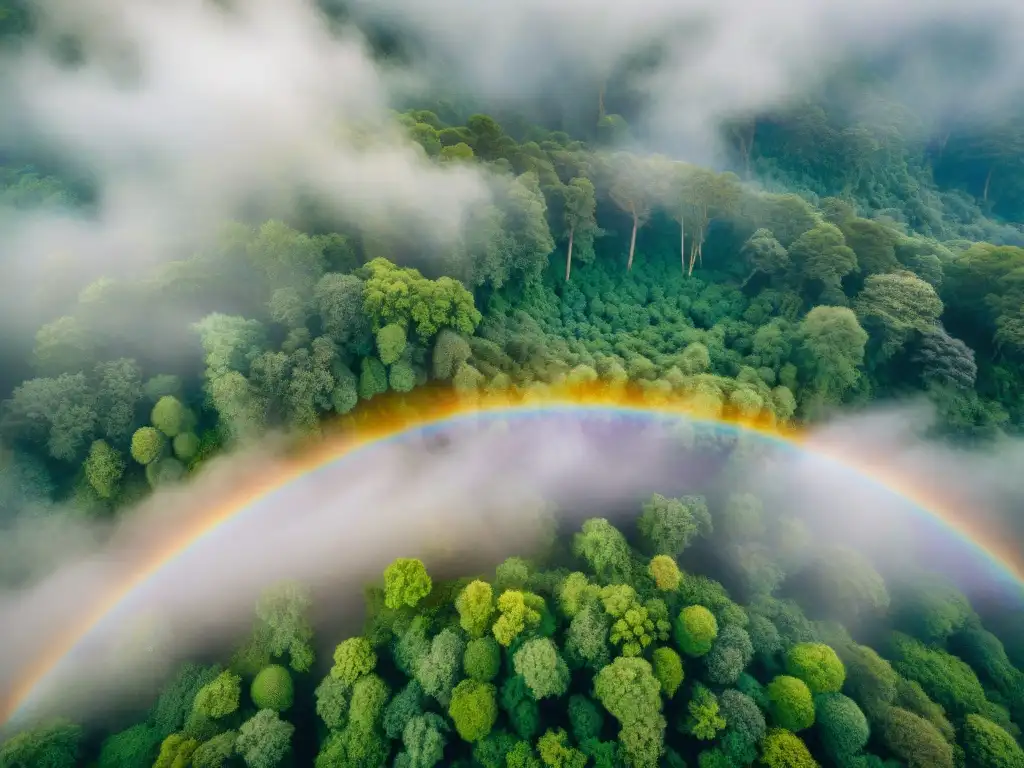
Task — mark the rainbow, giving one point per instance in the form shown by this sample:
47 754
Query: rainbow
393 417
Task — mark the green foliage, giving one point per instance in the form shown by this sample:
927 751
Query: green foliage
147 445
353 747
273 689
424 740
704 721
790 703
665 572
54 745
944 677
58 414
834 342
521 707
473 709
695 630
493 749
164 472
138 745
186 446
452 686
402 377
586 718
933 610
412 646
617 599
845 585
482 659
169 416
217 752
605 550
283 624
220 697
556 753
895 305
670 525
783 749
575 592
764 636
915 740
176 701
264 740
629 691
391 342
373 378
176 752
817 665
745 725
989 746
870 680
587 637
406 582
104 468
634 630
543 669
406 705
403 296
441 668
516 611
911 697
370 696
353 658
668 669
475 605
450 351
730 654
844 729
821 254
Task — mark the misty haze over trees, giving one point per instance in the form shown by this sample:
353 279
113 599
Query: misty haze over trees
223 219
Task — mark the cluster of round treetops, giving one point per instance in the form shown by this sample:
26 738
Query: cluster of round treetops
605 655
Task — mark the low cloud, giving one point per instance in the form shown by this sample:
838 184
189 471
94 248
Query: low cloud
186 114
485 492
708 60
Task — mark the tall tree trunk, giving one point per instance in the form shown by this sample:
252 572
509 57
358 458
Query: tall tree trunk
568 254
695 249
682 242
745 141
988 183
700 240
632 241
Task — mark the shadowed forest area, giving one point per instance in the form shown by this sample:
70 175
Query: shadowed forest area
834 252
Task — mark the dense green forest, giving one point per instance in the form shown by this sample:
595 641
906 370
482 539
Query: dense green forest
616 658
826 264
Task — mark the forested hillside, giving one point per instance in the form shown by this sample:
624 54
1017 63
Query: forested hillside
678 278
829 261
